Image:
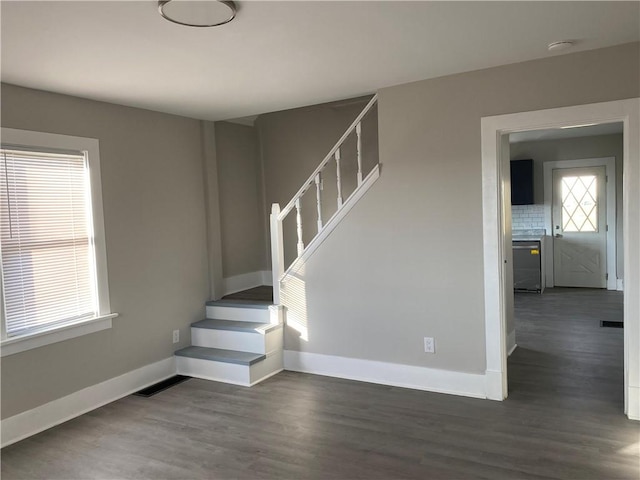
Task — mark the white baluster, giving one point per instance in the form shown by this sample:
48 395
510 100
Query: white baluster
319 201
299 227
338 178
359 147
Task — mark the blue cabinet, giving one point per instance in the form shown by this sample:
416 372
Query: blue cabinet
522 182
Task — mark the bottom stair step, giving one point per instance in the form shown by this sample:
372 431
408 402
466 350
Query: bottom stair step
220 355
228 366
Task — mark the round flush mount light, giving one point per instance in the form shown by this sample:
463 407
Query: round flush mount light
197 13
558 46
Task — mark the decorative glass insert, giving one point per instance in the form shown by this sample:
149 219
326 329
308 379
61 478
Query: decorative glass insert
579 204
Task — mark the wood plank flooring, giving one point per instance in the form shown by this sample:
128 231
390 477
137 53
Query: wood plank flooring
563 353
563 420
262 293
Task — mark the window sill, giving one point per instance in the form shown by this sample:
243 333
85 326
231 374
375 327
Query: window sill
23 343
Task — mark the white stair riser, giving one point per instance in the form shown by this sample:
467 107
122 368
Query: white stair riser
238 314
233 340
230 372
271 365
211 370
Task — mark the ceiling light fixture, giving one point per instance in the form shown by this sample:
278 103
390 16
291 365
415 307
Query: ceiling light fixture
197 13
557 46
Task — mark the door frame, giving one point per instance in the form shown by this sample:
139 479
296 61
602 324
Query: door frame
495 168
610 171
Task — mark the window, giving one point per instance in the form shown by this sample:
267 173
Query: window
579 204
54 279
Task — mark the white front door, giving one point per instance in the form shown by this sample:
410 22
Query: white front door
580 227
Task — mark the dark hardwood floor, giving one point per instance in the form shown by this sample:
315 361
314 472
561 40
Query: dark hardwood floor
563 420
563 354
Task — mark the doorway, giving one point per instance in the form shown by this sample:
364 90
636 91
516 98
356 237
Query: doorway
494 129
602 262
579 227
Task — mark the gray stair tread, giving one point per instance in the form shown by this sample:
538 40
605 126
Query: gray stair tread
239 303
235 325
220 355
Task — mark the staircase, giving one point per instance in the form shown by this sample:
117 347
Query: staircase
239 342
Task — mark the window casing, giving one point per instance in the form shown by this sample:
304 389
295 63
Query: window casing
54 272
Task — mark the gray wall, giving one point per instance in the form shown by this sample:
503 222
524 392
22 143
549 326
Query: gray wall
153 194
242 210
407 262
574 149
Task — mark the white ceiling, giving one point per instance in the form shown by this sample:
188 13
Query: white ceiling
278 55
562 133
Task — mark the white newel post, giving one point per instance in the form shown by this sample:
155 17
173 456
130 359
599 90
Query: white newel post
277 252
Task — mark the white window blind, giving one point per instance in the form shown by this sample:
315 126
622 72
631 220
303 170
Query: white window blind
48 259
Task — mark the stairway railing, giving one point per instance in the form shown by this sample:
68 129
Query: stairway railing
278 215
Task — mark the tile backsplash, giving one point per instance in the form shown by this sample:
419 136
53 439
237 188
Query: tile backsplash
526 217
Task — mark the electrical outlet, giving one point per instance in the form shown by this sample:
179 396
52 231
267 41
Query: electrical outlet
429 345
176 336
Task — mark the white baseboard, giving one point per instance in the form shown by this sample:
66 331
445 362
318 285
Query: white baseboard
511 342
620 284
394 374
246 281
493 385
50 414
